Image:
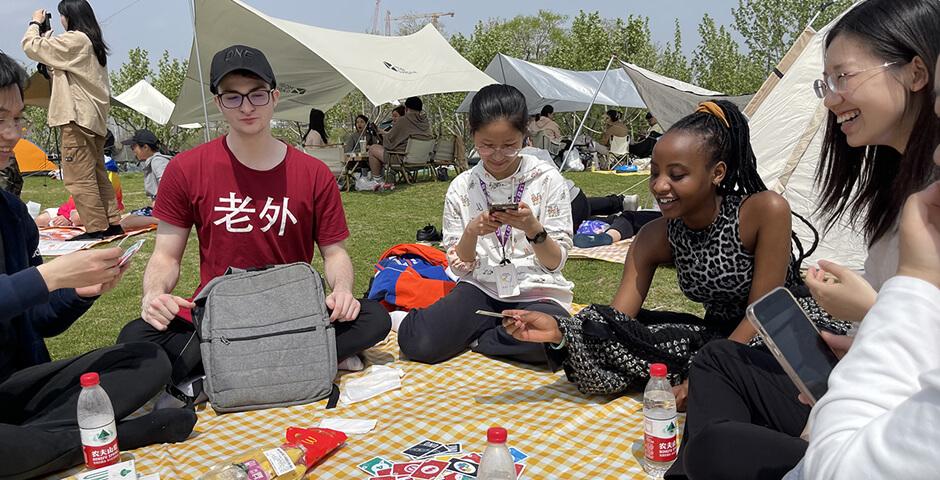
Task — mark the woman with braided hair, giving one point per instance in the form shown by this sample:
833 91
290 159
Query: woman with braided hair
726 234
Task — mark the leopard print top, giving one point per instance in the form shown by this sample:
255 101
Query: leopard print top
714 268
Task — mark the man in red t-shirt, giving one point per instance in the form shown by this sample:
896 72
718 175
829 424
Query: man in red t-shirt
254 201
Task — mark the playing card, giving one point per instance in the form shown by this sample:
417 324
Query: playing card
421 449
384 471
372 467
406 468
517 456
429 469
519 468
384 477
454 448
473 457
463 466
433 453
455 476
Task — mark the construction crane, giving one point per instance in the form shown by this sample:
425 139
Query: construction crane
375 17
434 16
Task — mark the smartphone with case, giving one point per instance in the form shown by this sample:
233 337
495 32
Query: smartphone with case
502 207
794 341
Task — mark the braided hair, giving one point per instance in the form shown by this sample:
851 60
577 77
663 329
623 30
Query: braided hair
727 138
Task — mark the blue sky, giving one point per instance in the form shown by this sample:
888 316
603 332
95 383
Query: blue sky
158 25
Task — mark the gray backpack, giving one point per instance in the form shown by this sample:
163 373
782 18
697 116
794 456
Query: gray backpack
266 338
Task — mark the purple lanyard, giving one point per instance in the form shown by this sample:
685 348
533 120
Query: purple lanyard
503 233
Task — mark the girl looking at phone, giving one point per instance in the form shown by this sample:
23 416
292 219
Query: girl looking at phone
505 258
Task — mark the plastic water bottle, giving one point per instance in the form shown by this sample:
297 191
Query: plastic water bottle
659 412
362 144
497 462
96 422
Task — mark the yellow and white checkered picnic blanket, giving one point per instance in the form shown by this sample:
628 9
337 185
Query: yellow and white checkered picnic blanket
566 434
615 253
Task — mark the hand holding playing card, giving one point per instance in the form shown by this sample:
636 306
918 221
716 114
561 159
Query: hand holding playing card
529 326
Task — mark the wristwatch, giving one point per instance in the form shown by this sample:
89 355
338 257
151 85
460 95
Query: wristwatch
539 237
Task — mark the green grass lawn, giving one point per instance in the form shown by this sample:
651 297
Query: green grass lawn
377 221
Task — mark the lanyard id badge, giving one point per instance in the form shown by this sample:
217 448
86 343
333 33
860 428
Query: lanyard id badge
507 284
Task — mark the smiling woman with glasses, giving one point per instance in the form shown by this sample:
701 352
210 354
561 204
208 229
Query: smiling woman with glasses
840 83
507 232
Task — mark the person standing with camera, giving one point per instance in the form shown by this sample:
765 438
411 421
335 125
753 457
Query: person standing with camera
77 63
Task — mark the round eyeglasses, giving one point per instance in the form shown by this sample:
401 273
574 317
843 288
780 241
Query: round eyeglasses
840 82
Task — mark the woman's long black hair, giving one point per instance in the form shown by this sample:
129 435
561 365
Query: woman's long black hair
317 124
871 183
81 18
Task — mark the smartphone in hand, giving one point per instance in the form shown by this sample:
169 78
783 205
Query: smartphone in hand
502 207
130 252
794 341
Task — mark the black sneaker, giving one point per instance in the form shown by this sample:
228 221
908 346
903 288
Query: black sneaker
429 233
113 230
88 236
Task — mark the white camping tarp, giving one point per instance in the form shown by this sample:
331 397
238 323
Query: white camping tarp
565 90
143 98
316 67
787 131
670 99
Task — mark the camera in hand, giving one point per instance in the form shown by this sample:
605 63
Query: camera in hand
44 27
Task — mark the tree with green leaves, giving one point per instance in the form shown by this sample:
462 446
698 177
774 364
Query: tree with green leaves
672 61
528 37
770 27
718 63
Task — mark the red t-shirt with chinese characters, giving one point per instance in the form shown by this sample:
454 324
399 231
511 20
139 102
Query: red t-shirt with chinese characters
247 218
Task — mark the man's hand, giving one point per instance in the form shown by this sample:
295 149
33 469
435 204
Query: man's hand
849 299
83 268
681 391
159 310
531 326
343 305
919 243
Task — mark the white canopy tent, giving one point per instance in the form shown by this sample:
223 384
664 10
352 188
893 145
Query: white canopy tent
565 90
149 102
787 131
316 67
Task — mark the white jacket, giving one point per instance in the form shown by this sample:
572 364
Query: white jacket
880 418
545 192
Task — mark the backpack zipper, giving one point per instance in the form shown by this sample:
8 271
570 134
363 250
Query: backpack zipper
226 341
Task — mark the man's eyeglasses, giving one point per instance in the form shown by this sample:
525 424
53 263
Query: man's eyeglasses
840 82
504 152
258 98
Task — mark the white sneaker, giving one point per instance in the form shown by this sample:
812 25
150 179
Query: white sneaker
630 203
352 364
366 184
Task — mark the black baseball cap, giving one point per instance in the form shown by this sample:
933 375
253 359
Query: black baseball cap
142 137
239 57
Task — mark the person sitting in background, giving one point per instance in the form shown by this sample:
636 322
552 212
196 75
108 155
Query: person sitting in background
545 122
316 129
413 124
147 150
66 215
622 216
613 127
39 433
643 147
504 259
352 140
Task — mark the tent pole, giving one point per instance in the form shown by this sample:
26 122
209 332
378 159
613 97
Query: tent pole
577 132
202 83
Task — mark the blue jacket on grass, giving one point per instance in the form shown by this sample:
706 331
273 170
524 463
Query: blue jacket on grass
28 312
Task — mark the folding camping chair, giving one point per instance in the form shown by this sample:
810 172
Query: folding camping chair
541 140
416 157
619 151
335 159
446 155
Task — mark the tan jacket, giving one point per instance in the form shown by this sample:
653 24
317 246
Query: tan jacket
616 129
551 129
81 91
412 124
